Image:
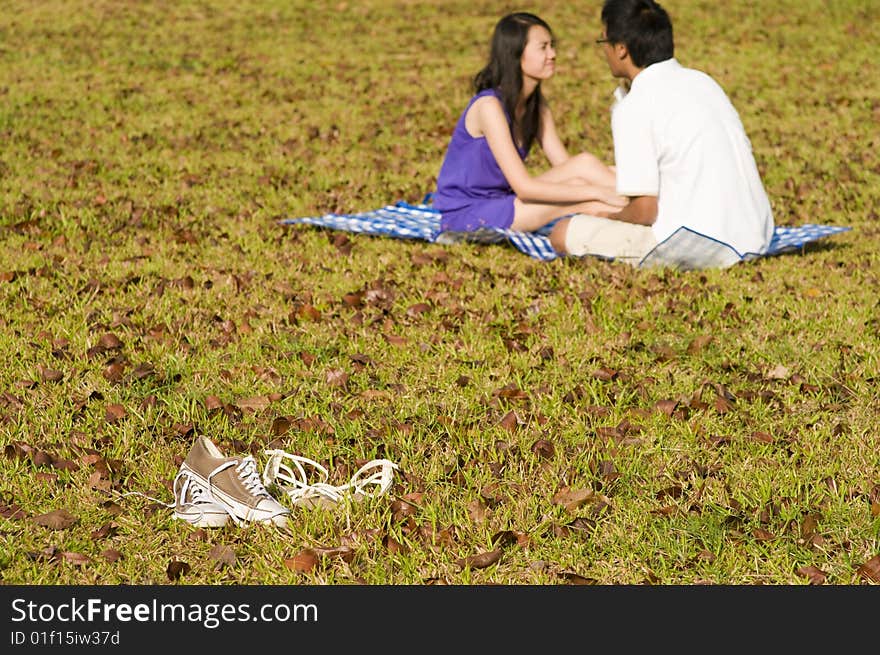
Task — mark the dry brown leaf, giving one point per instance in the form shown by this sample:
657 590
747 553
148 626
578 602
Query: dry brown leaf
417 309
401 509
763 437
303 562
477 510
113 412
667 407
253 402
177 568
816 576
610 432
106 530
506 538
543 449
110 341
111 554
722 405
870 570
114 372
50 374
345 553
374 394
705 556
143 370
90 459
58 519
808 526
198 535
280 425
393 546
778 372
224 555
306 313
577 579
65 464
605 374
572 499
12 511
509 421
480 560
512 392
336 377
213 403
699 343
77 559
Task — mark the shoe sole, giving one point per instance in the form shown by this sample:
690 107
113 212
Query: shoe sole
203 519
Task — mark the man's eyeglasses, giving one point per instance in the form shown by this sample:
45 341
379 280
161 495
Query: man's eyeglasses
601 41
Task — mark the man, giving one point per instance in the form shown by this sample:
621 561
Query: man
681 153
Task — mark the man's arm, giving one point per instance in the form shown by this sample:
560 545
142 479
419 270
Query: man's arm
641 210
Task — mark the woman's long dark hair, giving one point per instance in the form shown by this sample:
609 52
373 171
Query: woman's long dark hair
504 73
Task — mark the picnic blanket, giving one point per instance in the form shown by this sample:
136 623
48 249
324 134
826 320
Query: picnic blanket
685 249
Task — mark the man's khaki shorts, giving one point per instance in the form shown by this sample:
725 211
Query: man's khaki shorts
603 237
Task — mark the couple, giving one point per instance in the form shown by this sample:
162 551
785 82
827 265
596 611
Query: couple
682 157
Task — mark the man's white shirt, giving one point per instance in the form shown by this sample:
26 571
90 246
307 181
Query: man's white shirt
678 137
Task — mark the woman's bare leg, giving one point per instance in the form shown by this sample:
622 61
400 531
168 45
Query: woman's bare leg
580 169
585 168
530 216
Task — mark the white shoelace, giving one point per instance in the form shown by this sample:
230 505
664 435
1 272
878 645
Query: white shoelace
246 470
297 487
381 479
295 484
200 495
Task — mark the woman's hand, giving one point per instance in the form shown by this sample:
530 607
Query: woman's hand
609 196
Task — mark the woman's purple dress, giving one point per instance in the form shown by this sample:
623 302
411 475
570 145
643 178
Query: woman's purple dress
472 192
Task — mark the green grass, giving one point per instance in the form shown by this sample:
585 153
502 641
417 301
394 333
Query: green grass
725 421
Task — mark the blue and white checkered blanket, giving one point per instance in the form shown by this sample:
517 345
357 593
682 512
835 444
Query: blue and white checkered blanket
684 249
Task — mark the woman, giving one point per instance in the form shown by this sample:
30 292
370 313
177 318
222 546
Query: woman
483 181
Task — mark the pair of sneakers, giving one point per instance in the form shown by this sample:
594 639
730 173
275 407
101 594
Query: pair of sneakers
210 489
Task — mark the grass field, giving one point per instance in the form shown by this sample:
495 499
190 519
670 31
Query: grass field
564 422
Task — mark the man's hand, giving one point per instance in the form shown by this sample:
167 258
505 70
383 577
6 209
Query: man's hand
641 210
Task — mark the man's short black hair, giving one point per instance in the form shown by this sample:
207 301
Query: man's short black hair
643 26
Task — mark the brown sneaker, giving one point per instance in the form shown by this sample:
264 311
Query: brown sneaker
233 483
